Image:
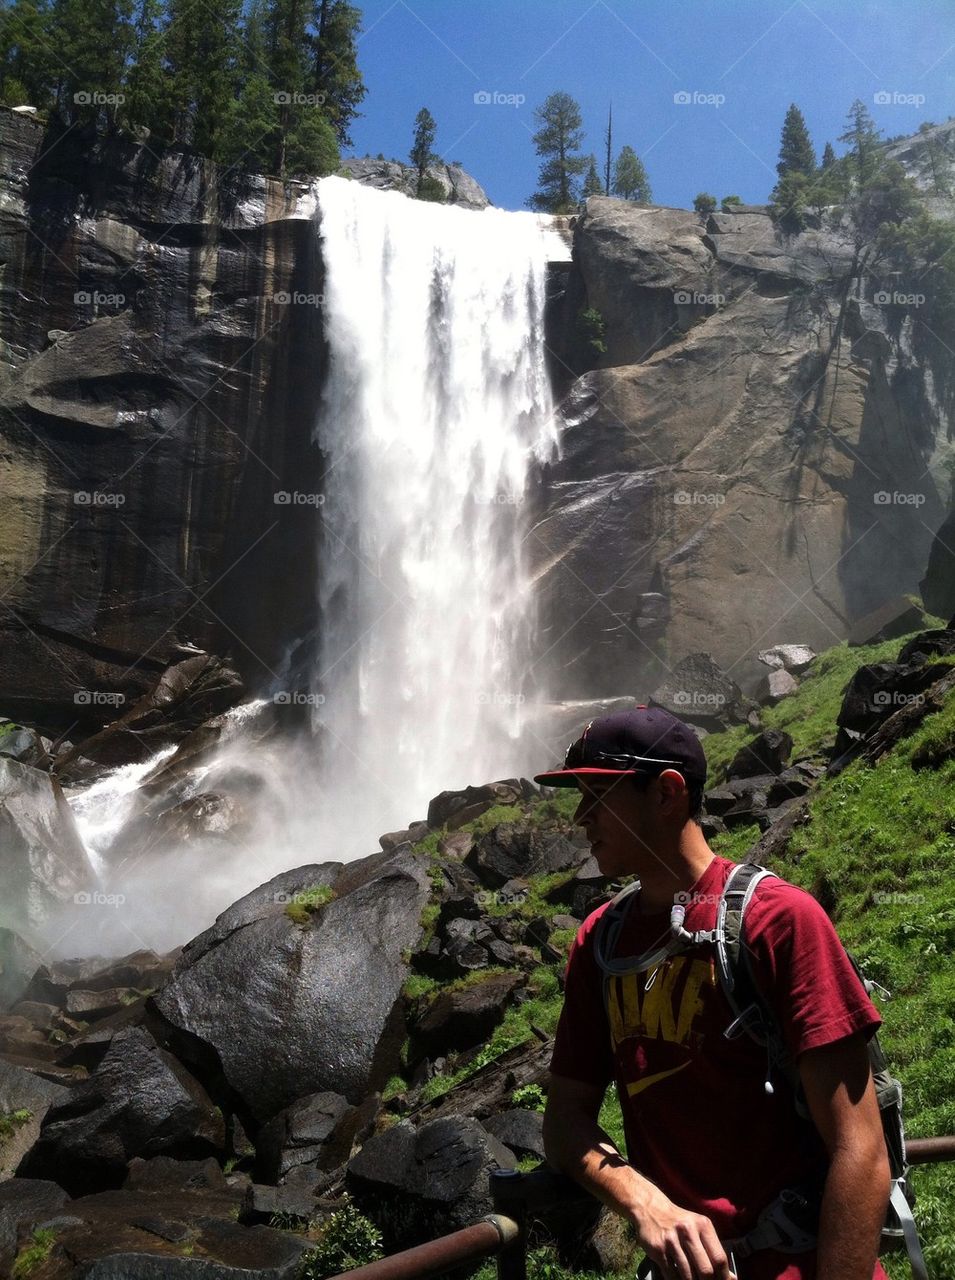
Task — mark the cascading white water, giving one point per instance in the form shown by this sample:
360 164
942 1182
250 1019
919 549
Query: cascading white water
436 406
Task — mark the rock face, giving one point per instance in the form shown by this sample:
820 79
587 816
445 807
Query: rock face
156 322
390 175
312 993
44 862
755 449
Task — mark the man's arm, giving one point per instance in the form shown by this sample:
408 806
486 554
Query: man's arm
682 1244
838 1085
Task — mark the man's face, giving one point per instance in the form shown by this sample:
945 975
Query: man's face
614 814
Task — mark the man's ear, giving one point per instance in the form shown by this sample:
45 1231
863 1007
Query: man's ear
672 788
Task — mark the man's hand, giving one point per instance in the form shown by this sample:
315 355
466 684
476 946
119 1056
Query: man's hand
681 1244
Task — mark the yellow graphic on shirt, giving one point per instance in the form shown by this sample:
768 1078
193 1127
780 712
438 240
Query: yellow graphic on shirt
664 1006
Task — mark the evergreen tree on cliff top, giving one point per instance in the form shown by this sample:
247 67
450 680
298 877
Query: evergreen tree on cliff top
592 184
27 66
334 72
202 53
557 141
630 180
796 152
862 137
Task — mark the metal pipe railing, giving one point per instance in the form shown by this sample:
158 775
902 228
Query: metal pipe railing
491 1235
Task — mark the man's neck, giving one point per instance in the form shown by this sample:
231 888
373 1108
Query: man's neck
674 871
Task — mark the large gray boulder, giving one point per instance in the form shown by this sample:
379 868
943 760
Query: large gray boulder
391 175
25 1098
140 1101
43 862
294 999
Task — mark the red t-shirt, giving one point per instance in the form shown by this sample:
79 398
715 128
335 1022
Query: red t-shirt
697 1118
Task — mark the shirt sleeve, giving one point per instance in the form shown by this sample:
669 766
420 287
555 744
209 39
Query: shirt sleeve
582 1042
802 970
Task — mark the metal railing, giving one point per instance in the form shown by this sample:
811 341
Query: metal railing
517 1198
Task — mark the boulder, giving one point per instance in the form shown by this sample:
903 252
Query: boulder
457 1020
698 690
18 963
451 804
788 657
25 1202
512 850
391 175
780 684
163 1173
767 753
521 1131
938 585
45 863
140 1101
313 996
315 1131
421 1183
25 1099
25 745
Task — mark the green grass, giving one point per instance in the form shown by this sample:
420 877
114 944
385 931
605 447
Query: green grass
11 1121
305 903
33 1255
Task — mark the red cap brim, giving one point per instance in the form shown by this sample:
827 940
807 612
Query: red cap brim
568 777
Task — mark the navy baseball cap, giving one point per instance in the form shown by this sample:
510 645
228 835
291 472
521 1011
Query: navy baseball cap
643 740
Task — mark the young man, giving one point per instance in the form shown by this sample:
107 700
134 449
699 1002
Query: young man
711 1129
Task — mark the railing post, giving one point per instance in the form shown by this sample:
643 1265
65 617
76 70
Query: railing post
509 1202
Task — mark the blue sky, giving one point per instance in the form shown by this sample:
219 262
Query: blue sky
741 62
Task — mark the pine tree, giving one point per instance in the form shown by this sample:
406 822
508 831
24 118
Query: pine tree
796 154
27 66
862 137
557 141
202 56
630 179
608 144
335 74
284 27
148 103
311 147
828 157
422 148
592 184
93 40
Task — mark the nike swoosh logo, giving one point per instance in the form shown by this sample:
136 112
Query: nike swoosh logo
638 1086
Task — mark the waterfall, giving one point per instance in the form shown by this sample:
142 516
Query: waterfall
436 407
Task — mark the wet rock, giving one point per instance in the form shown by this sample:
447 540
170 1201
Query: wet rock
457 1020
140 1101
520 1130
699 691
451 804
512 850
99 1004
163 1173
25 745
317 1131
426 1182
767 753
18 963
25 1099
313 1004
24 1202
44 861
